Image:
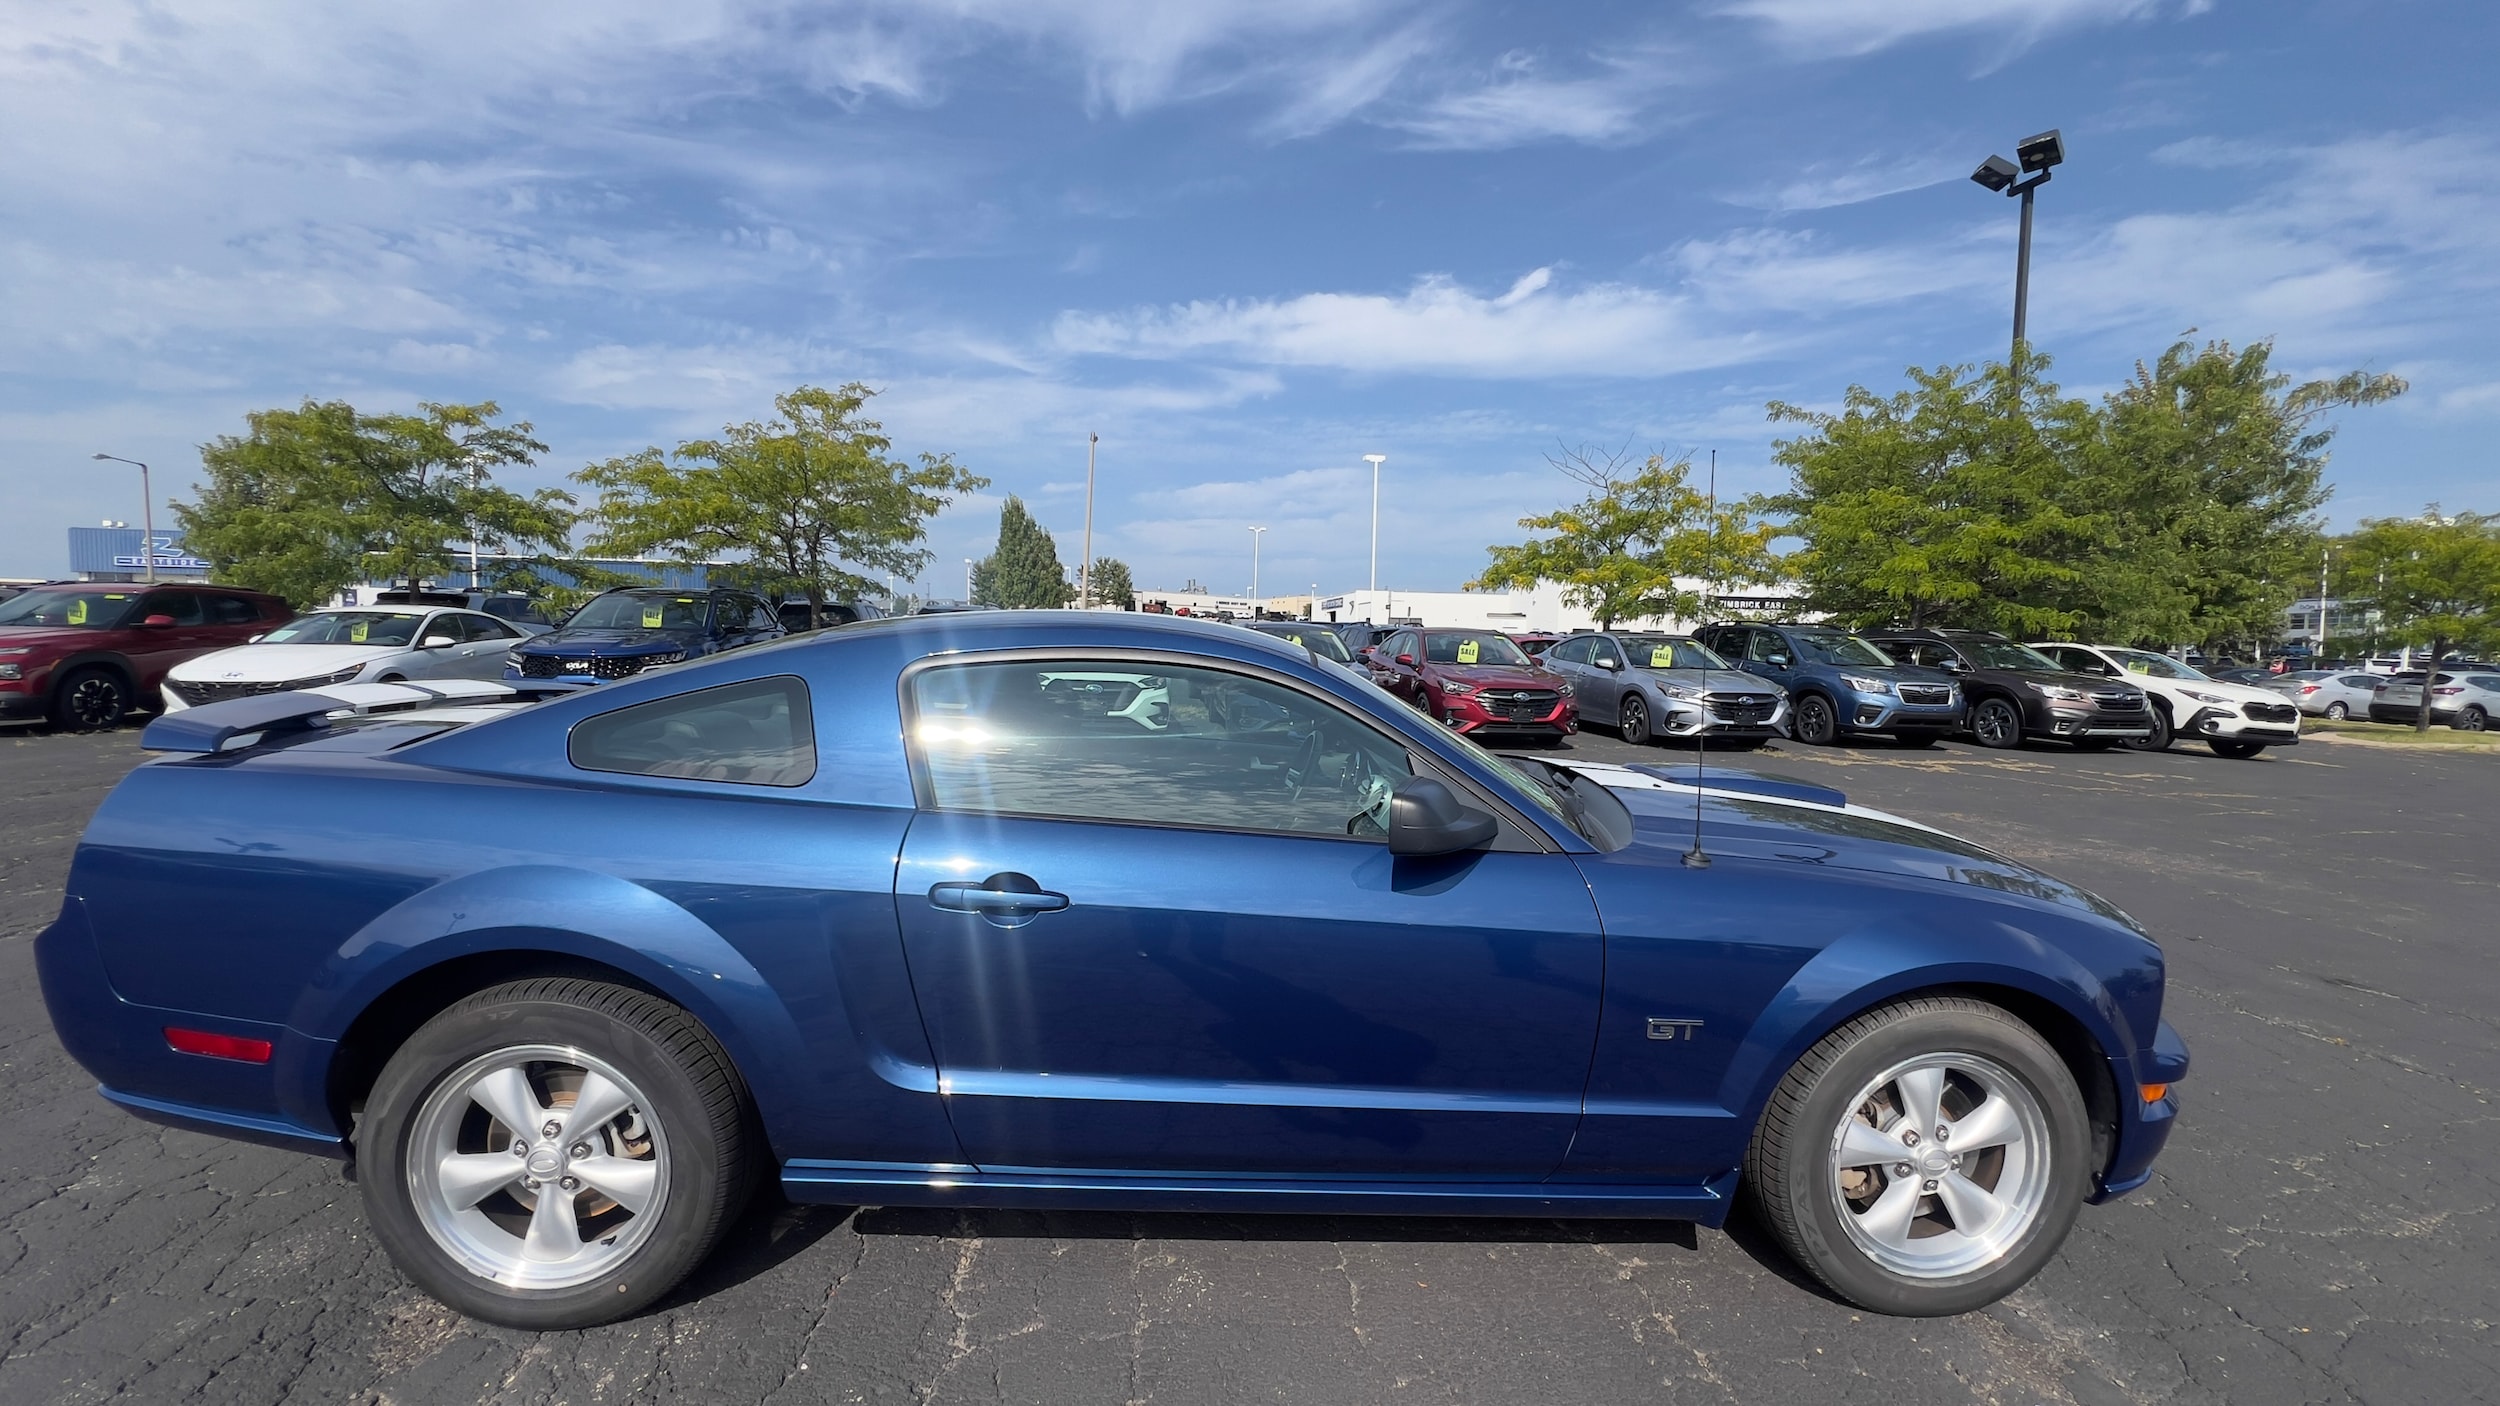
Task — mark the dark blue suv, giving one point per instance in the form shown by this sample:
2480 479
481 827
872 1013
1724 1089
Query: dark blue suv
1839 684
623 632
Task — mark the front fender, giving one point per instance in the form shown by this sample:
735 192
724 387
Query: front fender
1888 960
544 908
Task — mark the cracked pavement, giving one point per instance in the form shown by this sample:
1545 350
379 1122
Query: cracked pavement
2321 1229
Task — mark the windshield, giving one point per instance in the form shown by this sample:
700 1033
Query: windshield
348 627
90 610
2151 665
1835 647
1670 652
636 610
1471 647
2005 654
1317 639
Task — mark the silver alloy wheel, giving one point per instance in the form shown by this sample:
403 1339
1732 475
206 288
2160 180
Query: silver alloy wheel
1941 1165
537 1166
2338 711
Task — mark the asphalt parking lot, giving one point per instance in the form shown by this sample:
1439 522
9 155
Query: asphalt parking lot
2322 1229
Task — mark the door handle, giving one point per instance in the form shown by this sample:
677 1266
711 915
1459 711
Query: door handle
1008 900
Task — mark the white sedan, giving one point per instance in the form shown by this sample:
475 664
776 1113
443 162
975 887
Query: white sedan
354 644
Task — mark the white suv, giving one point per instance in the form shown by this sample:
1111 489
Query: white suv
2233 719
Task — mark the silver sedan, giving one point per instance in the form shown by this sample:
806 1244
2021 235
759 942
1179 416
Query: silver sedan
2329 693
1649 686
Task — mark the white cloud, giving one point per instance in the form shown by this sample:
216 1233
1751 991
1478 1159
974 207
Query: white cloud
1520 104
1826 185
1852 27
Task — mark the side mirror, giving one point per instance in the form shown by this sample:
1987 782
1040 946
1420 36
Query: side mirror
436 642
1426 819
1952 666
158 622
1407 659
258 638
1608 661
1777 661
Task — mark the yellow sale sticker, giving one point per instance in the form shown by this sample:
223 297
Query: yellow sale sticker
1662 656
1468 652
2138 666
78 612
356 632
651 616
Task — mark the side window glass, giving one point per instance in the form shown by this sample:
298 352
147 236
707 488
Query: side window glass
485 627
1567 651
183 606
232 610
1766 647
1149 744
757 733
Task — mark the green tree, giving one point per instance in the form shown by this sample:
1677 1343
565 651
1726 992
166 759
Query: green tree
1024 573
1940 504
2433 580
1112 585
2211 465
1618 552
312 499
805 502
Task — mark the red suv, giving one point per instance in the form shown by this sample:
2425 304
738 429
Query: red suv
1476 682
84 655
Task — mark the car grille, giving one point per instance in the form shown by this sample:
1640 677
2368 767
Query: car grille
1926 695
541 666
2118 701
1525 705
194 694
1742 708
2270 712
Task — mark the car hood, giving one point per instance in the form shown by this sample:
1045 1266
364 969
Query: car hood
1718 680
2235 692
277 663
1494 675
598 643
53 637
1796 829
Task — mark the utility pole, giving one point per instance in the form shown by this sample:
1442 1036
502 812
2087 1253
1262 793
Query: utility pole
1254 571
1085 567
147 514
1375 460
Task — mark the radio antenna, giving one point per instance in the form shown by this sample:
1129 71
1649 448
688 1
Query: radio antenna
1694 858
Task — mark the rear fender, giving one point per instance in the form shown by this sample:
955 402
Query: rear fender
561 911
1879 964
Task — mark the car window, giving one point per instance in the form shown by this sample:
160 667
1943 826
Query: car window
758 733
1570 651
1466 647
1119 741
2359 681
184 606
232 610
1766 647
89 610
1838 647
484 627
373 627
1670 652
2487 681
643 610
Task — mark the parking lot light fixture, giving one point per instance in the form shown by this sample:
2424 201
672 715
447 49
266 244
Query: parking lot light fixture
2036 155
147 515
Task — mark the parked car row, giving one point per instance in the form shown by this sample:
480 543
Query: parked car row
2466 698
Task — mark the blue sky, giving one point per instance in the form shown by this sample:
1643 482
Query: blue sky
1247 242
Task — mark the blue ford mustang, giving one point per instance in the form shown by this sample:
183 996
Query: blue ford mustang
1082 910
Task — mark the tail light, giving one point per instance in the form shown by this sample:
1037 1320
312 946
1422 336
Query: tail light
2444 692
2307 689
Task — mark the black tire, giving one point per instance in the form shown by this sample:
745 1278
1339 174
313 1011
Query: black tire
688 1088
93 699
2160 738
1632 720
1997 723
2237 751
1927 737
1798 1195
2338 711
1816 724
2471 719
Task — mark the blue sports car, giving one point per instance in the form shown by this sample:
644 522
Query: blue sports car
1067 910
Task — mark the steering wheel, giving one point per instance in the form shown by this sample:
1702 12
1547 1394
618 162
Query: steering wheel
1305 762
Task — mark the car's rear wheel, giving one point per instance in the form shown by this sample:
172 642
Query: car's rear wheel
90 700
2471 719
1926 1158
2238 751
1632 720
1817 725
2338 711
1996 722
554 1153
2159 738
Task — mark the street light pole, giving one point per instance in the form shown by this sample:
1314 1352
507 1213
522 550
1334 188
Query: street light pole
967 580
1254 571
147 514
2036 155
2323 554
1375 460
1085 567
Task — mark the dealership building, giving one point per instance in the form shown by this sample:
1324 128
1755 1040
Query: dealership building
120 554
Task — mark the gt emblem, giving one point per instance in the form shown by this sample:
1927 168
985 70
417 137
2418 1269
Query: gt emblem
1665 1028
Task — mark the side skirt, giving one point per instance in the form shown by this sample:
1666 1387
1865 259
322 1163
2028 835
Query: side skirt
886 1184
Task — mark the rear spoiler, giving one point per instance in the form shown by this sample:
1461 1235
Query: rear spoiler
238 723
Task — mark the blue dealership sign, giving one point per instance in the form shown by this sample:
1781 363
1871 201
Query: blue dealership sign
118 551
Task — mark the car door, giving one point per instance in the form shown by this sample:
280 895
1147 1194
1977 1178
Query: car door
1570 658
1600 691
1767 653
484 642
1176 940
153 649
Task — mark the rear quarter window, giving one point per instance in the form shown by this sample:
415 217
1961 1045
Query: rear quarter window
758 733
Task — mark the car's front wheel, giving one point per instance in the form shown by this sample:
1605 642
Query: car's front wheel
1926 1158
2338 712
2159 738
554 1153
90 700
1632 719
2237 751
1816 724
1996 722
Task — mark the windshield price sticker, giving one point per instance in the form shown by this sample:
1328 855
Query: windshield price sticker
651 616
356 633
78 612
1469 652
1662 656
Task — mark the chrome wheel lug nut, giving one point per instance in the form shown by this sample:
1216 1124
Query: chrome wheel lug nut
579 1149
530 1182
1902 1170
553 1127
1931 1186
520 1149
572 1183
1910 1139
